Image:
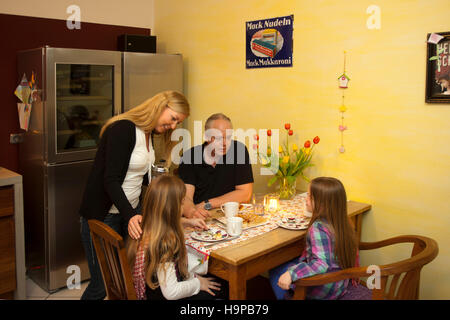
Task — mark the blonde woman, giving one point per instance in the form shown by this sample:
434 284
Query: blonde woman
159 258
124 156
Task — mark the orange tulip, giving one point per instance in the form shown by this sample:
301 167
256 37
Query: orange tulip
307 144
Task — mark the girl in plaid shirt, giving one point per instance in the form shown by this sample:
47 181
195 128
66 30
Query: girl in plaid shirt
330 243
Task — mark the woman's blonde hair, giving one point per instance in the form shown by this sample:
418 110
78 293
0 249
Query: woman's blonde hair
329 203
162 234
145 116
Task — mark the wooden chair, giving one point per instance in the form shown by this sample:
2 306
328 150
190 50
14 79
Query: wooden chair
423 252
112 258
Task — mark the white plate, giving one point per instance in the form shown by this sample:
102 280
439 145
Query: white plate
211 235
294 223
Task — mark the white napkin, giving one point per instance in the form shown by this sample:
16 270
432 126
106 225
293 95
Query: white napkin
197 262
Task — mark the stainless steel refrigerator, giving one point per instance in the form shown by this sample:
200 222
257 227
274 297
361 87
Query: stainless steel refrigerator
79 90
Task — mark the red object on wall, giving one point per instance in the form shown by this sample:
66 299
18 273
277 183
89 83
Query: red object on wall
22 33
266 51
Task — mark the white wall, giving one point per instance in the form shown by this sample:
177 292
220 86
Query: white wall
132 13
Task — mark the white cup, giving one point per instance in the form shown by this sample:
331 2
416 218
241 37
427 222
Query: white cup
230 209
234 226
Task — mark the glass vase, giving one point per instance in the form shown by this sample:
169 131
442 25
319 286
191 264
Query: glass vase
287 190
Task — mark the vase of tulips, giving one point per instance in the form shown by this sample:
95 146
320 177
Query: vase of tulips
292 161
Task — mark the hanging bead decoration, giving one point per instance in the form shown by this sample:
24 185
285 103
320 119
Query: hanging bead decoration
343 84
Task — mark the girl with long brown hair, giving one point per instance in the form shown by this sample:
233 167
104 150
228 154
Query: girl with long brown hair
330 243
159 258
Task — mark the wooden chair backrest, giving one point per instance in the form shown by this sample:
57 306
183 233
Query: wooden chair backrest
112 258
398 281
401 280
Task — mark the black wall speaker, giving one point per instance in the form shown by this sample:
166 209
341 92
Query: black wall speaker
136 43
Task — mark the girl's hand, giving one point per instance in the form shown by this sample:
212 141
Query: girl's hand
195 223
285 281
198 223
134 227
206 284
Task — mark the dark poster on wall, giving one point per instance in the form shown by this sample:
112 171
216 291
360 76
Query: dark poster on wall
438 68
269 42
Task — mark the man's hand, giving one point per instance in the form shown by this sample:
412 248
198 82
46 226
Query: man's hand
200 211
190 210
134 227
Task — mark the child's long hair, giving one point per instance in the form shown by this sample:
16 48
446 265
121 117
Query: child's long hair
162 234
329 203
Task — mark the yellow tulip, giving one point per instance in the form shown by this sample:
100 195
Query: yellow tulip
280 149
295 147
285 159
307 151
264 161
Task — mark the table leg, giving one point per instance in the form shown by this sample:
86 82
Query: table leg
356 223
237 283
358 226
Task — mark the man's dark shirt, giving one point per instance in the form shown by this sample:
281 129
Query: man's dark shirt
231 170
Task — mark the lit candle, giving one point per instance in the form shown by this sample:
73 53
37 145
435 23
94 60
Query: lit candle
271 203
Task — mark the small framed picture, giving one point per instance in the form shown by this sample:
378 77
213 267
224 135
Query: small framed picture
438 68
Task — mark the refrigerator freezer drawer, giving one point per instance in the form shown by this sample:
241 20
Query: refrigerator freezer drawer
66 183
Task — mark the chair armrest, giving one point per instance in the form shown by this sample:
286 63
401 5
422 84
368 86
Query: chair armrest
325 278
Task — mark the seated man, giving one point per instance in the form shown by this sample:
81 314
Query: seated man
217 171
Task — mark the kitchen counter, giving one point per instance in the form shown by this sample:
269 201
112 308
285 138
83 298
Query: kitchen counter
9 178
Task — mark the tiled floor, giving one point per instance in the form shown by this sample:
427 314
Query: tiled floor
34 292
258 289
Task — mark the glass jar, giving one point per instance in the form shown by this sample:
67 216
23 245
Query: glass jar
287 190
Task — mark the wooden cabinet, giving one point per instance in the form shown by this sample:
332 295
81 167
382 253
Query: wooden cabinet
7 241
12 237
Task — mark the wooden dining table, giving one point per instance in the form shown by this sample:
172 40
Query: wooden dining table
245 260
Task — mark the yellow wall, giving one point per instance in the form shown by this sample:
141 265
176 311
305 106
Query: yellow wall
398 157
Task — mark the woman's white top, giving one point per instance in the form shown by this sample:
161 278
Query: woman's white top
140 164
171 288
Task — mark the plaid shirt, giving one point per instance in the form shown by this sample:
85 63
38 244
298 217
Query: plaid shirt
319 258
139 274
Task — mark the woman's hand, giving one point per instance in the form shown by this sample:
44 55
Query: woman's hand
206 284
285 281
134 227
195 223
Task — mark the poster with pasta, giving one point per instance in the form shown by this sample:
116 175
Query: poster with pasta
269 42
